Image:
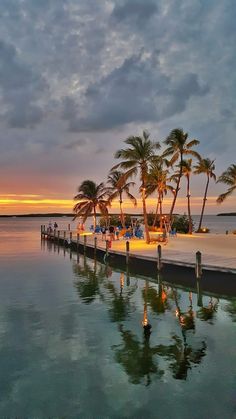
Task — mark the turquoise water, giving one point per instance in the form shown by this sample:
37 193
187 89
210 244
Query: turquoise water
72 342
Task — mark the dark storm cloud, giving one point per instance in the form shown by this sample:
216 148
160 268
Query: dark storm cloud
136 91
68 66
136 11
21 89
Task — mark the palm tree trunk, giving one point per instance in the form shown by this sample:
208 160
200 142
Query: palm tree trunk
121 212
176 191
156 213
94 217
190 226
161 220
204 203
145 215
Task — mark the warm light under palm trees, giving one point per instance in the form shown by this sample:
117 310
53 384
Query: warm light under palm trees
178 147
136 159
119 186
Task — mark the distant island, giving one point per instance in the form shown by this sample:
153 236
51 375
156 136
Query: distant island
56 214
51 214
227 214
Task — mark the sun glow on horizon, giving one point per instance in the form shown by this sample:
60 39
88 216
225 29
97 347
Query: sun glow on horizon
33 203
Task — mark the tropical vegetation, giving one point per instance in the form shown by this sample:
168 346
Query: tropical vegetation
228 178
136 159
91 196
117 187
157 177
207 167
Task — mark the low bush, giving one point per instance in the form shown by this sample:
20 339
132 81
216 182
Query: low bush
181 224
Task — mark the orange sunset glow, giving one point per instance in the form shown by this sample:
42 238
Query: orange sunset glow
32 204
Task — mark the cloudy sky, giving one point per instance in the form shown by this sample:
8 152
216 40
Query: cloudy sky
79 76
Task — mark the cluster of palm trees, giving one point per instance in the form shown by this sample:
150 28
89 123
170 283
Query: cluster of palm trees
158 173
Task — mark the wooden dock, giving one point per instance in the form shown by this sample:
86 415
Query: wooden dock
218 275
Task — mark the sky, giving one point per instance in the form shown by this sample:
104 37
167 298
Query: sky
77 77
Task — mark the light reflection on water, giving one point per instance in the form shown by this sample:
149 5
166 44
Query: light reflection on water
72 342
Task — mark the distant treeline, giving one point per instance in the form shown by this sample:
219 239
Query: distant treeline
224 214
55 214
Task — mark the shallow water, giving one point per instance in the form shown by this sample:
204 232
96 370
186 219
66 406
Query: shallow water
72 343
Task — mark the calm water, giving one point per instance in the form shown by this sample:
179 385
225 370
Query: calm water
72 343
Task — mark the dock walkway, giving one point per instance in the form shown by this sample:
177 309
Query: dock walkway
218 250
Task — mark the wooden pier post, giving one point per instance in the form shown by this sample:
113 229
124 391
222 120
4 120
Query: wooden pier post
64 238
199 294
58 235
107 249
77 242
69 227
127 252
41 230
198 267
95 244
70 237
159 262
85 243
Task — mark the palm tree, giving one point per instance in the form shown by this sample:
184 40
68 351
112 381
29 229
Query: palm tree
228 178
119 185
178 147
187 170
207 167
90 197
137 157
157 181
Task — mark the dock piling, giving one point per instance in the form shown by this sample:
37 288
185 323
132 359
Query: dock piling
198 266
95 244
64 234
127 252
159 262
77 242
107 249
85 243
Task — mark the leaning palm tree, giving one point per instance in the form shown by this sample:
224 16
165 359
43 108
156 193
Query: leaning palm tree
178 147
157 182
187 170
136 158
119 186
90 197
207 167
228 178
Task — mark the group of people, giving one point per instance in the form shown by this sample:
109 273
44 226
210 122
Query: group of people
50 225
114 232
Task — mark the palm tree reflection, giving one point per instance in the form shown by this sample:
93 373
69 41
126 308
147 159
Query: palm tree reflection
158 300
182 354
137 358
207 312
120 304
230 308
90 278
